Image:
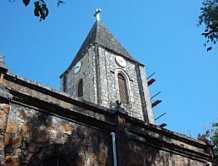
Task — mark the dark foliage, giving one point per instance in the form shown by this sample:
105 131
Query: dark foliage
212 134
209 17
26 2
40 8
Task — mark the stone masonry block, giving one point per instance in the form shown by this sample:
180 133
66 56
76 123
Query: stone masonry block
11 127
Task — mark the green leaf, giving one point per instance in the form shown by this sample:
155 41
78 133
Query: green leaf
26 2
43 12
36 11
209 49
36 4
207 133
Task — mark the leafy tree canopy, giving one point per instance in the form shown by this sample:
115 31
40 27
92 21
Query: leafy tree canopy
209 17
212 134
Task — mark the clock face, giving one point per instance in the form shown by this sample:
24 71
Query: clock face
77 67
120 61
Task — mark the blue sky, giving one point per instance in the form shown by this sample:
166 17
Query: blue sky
162 34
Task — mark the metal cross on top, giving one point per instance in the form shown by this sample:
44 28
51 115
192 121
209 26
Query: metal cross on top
97 14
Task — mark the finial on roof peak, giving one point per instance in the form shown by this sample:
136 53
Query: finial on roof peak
97 14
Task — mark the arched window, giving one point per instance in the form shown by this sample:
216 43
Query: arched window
80 88
123 89
55 161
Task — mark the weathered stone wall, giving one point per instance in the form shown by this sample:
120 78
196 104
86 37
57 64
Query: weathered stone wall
145 147
32 136
99 73
146 91
139 154
4 111
37 122
108 78
87 73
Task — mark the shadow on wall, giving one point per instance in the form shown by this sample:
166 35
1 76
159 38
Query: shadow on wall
33 137
141 155
149 151
42 136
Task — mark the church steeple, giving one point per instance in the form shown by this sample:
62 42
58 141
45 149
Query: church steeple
100 35
108 73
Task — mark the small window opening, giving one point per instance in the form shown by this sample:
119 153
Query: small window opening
80 88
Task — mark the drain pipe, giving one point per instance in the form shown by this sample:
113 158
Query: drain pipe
113 139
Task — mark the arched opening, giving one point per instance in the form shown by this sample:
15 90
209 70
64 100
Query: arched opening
80 88
123 89
55 161
53 155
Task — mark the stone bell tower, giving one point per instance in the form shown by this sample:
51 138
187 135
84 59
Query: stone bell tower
103 72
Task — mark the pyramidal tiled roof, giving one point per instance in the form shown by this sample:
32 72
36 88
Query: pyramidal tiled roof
105 38
99 34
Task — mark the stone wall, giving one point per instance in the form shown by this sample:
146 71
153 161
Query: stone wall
4 111
87 73
146 92
157 147
109 79
37 122
99 73
139 154
32 136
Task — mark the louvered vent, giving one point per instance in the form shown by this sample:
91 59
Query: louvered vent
122 89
